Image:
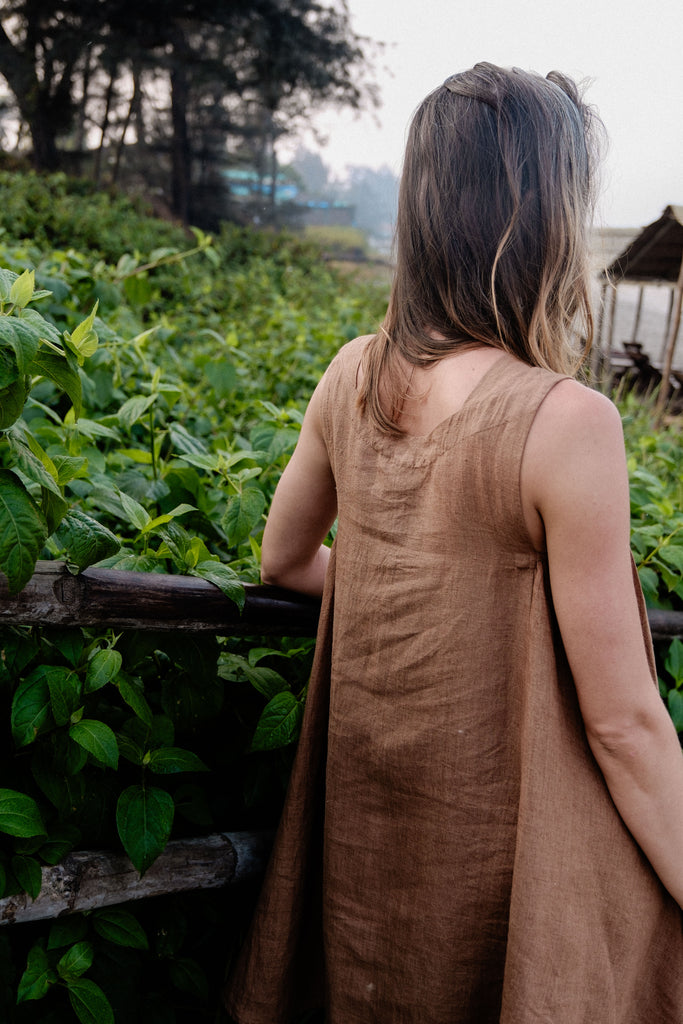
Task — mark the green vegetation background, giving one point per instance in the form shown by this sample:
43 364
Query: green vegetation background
152 385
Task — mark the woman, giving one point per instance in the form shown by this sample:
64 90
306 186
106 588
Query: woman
498 832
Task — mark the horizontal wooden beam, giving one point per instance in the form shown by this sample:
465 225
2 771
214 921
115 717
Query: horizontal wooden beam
664 624
87 880
157 601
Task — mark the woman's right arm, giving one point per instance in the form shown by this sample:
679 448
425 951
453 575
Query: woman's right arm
574 477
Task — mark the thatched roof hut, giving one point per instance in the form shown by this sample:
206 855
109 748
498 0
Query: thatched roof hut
653 257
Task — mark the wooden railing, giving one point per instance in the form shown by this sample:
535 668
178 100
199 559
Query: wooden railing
129 600
151 601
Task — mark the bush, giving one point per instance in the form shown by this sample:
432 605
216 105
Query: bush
57 211
147 416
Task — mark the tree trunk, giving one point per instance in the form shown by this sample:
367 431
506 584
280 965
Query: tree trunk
36 105
181 152
44 137
80 126
124 129
109 95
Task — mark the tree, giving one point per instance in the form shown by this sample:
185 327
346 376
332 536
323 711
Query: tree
41 43
249 70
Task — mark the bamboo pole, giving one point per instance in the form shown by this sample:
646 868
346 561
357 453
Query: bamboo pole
663 395
667 326
88 880
639 308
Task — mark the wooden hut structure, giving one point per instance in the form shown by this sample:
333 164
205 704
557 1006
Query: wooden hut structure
653 257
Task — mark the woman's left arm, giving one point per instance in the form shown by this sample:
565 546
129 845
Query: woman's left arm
303 510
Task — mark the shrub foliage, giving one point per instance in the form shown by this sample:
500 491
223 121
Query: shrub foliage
149 402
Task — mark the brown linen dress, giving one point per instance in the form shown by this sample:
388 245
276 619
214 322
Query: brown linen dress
449 852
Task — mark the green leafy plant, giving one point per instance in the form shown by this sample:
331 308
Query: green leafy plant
31 482
168 443
655 462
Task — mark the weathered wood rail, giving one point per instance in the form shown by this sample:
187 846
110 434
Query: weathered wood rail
156 601
136 600
85 880
113 598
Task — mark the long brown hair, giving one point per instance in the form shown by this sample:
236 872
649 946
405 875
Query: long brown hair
492 231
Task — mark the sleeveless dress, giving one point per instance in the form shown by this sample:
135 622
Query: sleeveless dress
449 852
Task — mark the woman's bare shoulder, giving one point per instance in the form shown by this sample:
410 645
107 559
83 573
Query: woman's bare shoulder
574 413
570 398
574 466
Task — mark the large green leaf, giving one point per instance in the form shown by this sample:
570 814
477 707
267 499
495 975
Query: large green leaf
28 874
12 401
68 467
57 369
21 292
38 468
37 978
131 411
266 680
76 961
98 739
168 760
53 509
83 342
279 723
120 927
9 371
42 326
86 541
243 514
674 661
673 555
65 692
144 818
22 532
223 577
89 1002
23 337
133 692
30 706
179 510
19 815
104 666
135 513
675 704
7 279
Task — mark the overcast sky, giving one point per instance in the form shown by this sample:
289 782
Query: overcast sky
632 51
